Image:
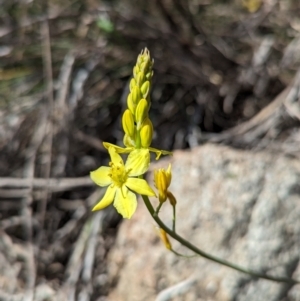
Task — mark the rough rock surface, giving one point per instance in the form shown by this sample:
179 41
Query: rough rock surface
238 205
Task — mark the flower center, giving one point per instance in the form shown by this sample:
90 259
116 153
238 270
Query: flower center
118 173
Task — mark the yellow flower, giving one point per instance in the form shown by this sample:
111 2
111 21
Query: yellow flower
162 181
120 177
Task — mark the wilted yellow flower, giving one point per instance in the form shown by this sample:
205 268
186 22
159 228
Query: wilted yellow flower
120 177
165 239
162 181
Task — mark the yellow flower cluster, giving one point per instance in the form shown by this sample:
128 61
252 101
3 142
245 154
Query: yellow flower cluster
121 178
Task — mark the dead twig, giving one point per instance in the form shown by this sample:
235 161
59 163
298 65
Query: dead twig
26 210
53 184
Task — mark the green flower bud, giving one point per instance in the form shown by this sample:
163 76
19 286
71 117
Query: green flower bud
136 95
145 89
131 105
145 66
136 70
146 133
141 112
132 84
140 58
128 124
140 78
149 75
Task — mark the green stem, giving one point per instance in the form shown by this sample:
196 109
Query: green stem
185 256
174 218
193 248
138 139
158 208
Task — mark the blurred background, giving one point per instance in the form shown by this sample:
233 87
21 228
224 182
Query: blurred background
225 72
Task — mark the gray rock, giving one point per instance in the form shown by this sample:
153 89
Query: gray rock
238 205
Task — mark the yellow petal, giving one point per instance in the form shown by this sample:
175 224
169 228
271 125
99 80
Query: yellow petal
159 152
118 149
125 202
107 199
169 175
138 162
100 176
114 156
140 186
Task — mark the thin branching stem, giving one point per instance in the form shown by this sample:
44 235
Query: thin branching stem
174 218
193 248
158 208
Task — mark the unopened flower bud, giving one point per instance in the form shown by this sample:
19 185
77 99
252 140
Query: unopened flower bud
146 133
132 84
136 70
145 66
149 75
141 112
140 78
171 198
131 105
140 58
136 95
128 123
145 88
